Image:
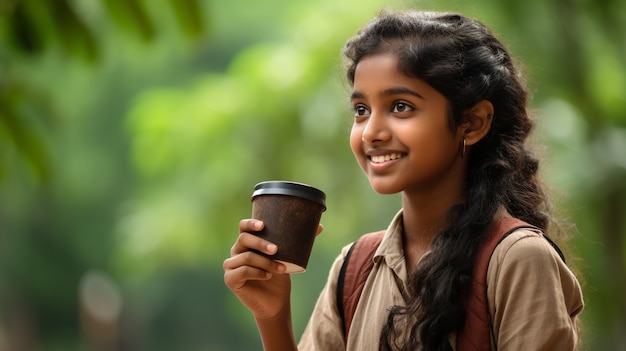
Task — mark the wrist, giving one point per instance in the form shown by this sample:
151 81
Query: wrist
277 332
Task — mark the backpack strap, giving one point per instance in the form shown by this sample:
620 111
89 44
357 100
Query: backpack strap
475 334
352 276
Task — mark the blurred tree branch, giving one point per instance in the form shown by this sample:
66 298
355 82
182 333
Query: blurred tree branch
30 28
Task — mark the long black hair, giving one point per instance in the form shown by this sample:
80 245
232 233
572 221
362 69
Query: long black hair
463 60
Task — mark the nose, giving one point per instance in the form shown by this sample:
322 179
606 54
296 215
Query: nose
375 130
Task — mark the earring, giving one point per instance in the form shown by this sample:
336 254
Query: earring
463 149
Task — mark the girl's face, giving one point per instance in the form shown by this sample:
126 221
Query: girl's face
401 135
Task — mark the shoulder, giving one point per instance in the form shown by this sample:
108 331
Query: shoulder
531 289
525 265
525 245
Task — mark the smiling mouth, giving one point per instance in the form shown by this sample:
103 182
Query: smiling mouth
385 158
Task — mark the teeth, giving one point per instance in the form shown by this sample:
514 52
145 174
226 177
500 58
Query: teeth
388 157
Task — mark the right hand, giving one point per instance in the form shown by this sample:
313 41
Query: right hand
259 282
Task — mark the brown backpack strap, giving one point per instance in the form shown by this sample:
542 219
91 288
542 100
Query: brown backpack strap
475 335
353 274
476 331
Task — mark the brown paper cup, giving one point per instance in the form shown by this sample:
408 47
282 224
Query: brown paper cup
291 212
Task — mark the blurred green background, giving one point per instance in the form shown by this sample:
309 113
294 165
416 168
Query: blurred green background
132 133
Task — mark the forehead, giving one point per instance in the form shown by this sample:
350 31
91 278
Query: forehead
377 65
380 73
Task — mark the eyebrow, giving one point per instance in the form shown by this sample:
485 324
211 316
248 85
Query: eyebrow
389 92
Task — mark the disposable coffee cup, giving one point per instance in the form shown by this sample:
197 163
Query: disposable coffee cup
291 212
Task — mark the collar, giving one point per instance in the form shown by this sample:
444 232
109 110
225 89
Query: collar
391 248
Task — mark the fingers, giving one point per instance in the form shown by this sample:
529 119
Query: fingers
320 228
247 241
248 266
245 262
253 261
236 278
250 225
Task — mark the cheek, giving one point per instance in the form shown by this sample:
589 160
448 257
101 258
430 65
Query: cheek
356 142
435 147
427 143
355 139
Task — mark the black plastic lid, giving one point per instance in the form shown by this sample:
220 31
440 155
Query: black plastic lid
281 187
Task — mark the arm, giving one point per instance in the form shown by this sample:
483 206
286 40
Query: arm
277 333
261 285
534 298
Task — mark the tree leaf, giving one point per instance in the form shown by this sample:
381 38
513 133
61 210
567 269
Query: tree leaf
189 16
131 15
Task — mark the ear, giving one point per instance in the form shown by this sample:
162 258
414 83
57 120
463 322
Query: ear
477 122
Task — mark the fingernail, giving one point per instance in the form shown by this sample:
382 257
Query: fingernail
257 225
271 248
281 268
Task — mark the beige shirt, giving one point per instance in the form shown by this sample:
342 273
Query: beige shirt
533 298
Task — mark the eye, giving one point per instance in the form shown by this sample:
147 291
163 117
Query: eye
360 110
401 107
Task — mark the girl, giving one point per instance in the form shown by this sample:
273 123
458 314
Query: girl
440 115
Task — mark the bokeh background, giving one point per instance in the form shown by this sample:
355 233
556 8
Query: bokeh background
132 133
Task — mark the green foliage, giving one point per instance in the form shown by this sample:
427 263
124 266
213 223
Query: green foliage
21 130
32 28
131 136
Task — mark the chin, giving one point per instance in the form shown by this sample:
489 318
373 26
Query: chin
384 189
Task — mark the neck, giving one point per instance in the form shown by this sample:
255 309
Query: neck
423 220
425 215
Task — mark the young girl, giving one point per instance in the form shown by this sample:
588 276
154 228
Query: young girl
440 116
